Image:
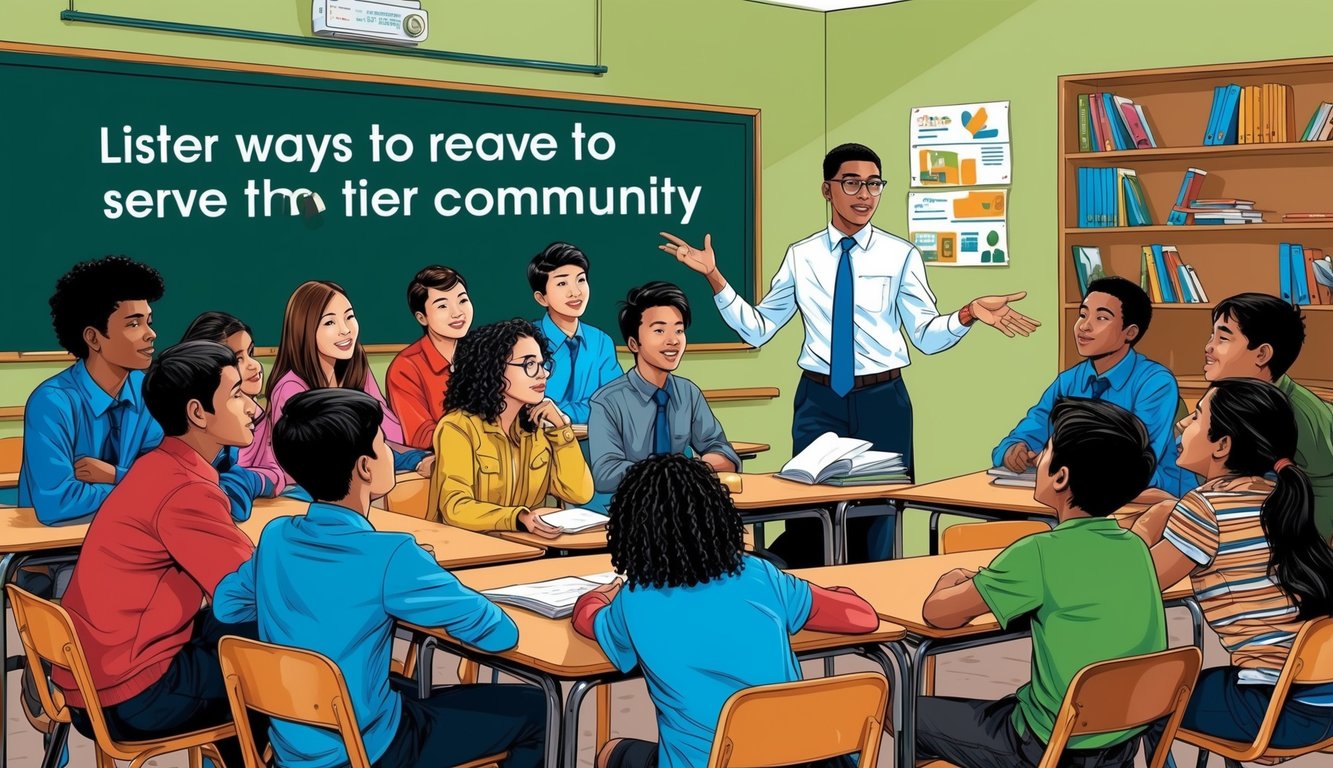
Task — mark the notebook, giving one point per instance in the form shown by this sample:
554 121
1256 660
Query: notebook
830 456
1004 477
553 599
575 519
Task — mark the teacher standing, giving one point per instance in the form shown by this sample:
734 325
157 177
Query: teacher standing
857 288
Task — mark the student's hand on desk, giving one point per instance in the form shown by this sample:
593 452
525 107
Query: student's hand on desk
532 520
426 466
425 546
996 312
610 590
547 411
954 578
1019 457
90 470
701 261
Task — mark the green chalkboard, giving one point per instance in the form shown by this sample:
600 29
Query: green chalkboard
67 184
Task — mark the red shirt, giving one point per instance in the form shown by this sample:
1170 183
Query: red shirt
161 541
418 378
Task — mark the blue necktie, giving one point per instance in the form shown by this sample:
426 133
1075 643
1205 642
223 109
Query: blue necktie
1098 385
661 430
111 446
842 364
574 343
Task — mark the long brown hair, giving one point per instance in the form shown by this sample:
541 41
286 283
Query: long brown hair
297 350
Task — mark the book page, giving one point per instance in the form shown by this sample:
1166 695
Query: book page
575 519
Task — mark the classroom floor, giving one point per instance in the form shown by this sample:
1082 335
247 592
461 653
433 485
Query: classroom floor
990 671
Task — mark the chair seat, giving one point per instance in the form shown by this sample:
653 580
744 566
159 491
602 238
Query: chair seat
491 761
166 744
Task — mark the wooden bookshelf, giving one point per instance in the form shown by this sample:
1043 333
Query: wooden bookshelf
1280 177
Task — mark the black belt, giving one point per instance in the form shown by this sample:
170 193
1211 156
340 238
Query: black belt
859 381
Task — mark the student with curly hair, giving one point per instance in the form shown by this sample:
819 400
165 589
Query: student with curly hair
503 445
85 426
677 538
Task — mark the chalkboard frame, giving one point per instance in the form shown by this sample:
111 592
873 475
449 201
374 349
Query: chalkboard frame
752 114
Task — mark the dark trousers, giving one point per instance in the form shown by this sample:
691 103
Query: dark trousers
191 695
980 734
880 413
633 753
465 722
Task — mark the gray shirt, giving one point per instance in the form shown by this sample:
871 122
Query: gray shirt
621 426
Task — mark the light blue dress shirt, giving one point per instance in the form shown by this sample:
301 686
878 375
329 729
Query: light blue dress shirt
573 381
1137 384
327 581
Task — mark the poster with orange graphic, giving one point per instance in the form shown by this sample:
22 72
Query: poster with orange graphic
960 145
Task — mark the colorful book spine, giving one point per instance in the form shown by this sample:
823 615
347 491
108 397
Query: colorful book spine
1163 275
1189 190
1226 126
1119 133
1137 133
1172 260
1154 279
1105 140
1310 256
1147 127
1212 116
1084 129
1300 287
1284 271
1199 292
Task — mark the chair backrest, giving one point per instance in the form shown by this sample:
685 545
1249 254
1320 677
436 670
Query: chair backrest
1127 693
288 684
968 537
1310 661
409 497
805 721
11 453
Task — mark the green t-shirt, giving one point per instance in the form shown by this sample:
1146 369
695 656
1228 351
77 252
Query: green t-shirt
1092 594
1314 448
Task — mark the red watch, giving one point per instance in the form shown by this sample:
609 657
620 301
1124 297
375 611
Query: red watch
965 315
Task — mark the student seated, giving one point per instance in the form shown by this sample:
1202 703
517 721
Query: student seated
155 551
1257 336
1113 318
1097 459
651 411
308 587
85 426
1246 538
321 347
503 445
680 600
246 474
419 375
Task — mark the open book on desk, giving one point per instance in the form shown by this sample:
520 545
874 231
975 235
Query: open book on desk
553 599
575 519
1006 477
845 458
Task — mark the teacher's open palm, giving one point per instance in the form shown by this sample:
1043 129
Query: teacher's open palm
701 261
996 312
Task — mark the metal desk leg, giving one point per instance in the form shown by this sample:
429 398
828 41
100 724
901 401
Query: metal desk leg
9 565
840 529
1196 620
569 740
897 666
899 530
934 532
826 520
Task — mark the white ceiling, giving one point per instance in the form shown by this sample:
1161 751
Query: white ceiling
827 5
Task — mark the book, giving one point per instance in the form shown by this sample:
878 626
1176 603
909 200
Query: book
833 456
1226 119
1005 477
1199 292
881 478
1327 129
554 598
575 519
1143 120
1154 288
1298 217
1087 266
1285 113
1163 275
1190 185
1141 214
1310 256
1316 121
1300 287
1137 134
1143 273
1173 264
1244 131
1213 111
1119 132
1323 275
1104 136
1284 271
1094 127
1084 128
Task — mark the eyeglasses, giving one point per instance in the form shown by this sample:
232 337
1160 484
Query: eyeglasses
531 365
853 186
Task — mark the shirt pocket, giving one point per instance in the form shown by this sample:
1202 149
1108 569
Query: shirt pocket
872 292
489 482
539 462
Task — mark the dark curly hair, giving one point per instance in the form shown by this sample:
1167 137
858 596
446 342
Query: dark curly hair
477 381
673 524
90 291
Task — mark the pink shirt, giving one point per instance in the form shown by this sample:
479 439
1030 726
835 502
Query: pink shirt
259 456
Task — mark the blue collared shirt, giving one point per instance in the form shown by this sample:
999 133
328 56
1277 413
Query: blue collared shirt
1137 384
66 419
327 581
573 381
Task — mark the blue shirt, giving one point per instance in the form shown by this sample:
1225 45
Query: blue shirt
674 633
241 484
327 581
67 418
1144 388
576 376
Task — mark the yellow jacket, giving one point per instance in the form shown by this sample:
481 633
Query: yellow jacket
484 478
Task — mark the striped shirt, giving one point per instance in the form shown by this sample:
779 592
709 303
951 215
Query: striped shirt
1218 527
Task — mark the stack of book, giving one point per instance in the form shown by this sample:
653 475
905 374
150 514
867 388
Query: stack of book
1265 114
553 599
1008 478
1108 123
1166 278
1112 197
1305 275
1320 127
834 460
1221 211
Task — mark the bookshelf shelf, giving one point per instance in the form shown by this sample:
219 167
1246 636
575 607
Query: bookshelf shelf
1281 178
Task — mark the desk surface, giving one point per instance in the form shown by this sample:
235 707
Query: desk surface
454 547
972 491
552 646
765 491
20 532
898 588
587 540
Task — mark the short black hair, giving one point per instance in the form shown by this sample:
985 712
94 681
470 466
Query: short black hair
435 276
90 291
673 524
553 257
1107 451
644 298
1135 306
188 371
215 326
1265 319
849 153
321 436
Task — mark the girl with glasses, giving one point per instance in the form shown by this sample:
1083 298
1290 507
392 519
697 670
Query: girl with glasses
503 445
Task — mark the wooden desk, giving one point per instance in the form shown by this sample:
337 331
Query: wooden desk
9 479
453 547
549 650
594 539
747 451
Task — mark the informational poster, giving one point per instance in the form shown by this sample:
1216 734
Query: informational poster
960 145
961 228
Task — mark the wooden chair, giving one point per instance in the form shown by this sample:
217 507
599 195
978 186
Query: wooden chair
298 686
409 497
786 723
969 537
1123 693
1310 662
11 453
48 635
